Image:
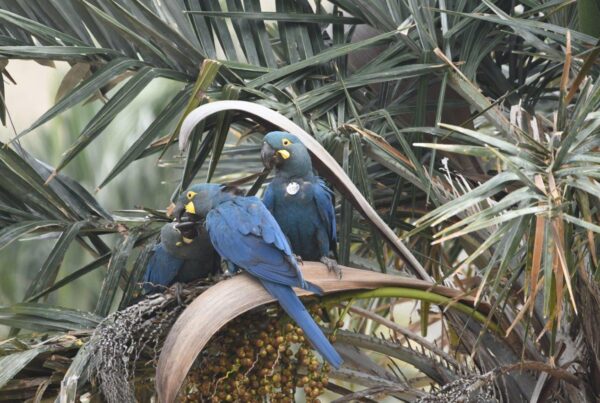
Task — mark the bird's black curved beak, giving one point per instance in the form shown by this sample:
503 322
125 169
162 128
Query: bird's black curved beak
188 224
178 211
269 157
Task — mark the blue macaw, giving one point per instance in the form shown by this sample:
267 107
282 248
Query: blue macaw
244 233
178 258
299 200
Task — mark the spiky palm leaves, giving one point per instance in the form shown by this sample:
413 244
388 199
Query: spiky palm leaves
516 212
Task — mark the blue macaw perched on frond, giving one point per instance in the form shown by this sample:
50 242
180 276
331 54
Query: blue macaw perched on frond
244 232
180 257
299 200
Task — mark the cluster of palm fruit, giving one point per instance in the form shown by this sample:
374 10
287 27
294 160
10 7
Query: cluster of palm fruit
258 356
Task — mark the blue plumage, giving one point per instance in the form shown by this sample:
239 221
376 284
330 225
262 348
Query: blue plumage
299 200
307 218
175 259
161 270
244 232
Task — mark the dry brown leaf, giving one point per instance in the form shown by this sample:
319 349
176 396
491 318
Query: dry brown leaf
170 210
564 269
45 62
536 261
564 79
379 140
529 301
538 245
230 298
74 76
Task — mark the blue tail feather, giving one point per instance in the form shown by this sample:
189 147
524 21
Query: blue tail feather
291 304
313 288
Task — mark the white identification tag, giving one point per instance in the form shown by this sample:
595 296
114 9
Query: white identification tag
292 188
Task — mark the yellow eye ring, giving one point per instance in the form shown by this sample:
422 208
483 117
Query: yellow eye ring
286 142
190 195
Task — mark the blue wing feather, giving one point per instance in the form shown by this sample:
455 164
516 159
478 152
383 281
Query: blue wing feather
268 198
324 200
245 233
162 269
308 220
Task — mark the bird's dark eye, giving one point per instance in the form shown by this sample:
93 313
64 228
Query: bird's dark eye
286 142
190 195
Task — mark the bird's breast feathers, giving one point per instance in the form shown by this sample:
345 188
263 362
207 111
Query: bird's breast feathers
297 190
292 188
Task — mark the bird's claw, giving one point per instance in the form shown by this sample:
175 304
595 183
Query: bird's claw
230 270
227 275
298 258
178 290
332 266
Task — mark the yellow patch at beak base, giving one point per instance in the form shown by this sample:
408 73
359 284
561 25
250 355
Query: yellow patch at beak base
285 154
187 240
189 208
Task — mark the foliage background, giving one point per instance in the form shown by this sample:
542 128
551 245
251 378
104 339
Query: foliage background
471 122
143 185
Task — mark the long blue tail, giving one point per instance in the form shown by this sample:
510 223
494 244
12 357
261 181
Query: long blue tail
290 303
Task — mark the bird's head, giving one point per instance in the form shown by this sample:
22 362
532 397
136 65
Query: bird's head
194 204
286 153
175 241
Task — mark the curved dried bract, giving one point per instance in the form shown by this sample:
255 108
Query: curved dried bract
230 298
324 162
